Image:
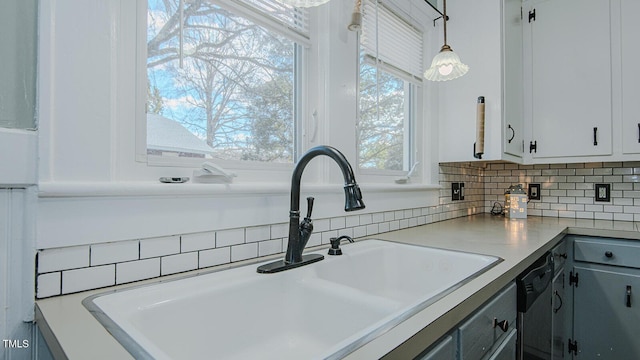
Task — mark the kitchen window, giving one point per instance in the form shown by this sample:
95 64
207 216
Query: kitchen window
224 81
390 84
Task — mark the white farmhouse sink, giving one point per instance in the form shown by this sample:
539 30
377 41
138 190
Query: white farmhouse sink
322 310
400 272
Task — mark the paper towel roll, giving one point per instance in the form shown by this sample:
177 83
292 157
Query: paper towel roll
479 144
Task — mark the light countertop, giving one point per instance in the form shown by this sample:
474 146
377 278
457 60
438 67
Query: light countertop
72 332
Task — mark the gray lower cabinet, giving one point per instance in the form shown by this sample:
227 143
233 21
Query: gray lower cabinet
559 315
445 349
505 350
489 333
606 319
561 302
487 327
41 350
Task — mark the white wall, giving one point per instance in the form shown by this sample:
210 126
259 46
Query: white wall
17 242
17 256
92 189
18 160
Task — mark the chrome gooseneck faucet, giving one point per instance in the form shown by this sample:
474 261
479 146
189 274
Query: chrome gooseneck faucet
299 232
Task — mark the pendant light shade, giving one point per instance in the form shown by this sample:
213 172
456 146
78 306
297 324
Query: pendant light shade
446 65
304 3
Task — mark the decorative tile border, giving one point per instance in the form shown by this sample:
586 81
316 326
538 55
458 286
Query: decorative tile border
67 270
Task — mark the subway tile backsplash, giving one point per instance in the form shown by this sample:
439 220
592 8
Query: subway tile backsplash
159 246
131 271
76 280
114 252
177 263
49 285
568 190
64 258
67 270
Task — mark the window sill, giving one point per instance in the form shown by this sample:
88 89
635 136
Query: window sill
125 189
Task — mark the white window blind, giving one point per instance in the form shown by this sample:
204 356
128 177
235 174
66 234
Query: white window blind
390 39
275 15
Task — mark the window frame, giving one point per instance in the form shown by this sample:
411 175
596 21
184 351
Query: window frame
412 148
302 70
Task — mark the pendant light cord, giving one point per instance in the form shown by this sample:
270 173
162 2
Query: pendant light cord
443 16
444 19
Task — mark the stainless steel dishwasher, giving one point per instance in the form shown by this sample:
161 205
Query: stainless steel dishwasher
534 310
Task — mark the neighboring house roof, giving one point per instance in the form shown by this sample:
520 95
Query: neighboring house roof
165 134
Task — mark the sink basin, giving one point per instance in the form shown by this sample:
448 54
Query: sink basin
400 272
322 310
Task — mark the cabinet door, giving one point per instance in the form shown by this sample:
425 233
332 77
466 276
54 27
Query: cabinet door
478 335
605 321
444 350
474 34
571 107
505 350
559 314
512 91
487 35
630 51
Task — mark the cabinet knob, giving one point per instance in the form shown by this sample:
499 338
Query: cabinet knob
503 325
608 254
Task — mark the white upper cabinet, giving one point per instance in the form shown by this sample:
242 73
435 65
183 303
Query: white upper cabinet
512 78
630 65
568 77
487 35
560 79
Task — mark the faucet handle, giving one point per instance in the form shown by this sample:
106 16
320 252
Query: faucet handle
309 206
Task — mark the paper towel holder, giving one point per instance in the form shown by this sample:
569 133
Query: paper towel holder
477 155
478 146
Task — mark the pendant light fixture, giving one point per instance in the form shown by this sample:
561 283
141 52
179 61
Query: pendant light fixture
446 65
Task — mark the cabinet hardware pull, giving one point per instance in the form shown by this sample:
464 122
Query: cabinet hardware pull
639 133
533 146
503 325
628 296
595 136
608 254
556 293
513 133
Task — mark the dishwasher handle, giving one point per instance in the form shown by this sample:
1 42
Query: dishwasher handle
540 276
534 281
